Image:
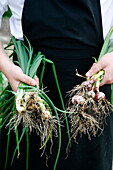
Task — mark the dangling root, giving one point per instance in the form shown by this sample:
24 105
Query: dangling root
33 112
88 110
83 123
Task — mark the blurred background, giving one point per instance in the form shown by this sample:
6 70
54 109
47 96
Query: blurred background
4 38
5 31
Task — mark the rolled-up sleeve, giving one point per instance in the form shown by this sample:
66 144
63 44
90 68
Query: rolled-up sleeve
3 8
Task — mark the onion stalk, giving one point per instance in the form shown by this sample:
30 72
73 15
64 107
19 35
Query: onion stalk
30 106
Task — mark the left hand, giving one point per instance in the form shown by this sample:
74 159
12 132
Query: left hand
106 64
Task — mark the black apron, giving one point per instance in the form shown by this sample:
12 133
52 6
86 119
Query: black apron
68 32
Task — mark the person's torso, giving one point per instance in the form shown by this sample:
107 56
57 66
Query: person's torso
17 8
63 24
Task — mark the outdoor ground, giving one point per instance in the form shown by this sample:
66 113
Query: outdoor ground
4 31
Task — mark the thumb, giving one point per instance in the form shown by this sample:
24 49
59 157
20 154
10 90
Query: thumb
28 80
94 69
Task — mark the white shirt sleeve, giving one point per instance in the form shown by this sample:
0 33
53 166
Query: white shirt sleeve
3 8
107 15
16 7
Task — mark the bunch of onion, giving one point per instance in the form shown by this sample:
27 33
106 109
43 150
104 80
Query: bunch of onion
34 113
87 104
30 106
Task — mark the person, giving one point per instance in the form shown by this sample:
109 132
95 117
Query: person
69 33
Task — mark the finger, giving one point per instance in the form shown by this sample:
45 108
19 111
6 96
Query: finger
94 69
37 80
28 80
14 85
94 64
107 79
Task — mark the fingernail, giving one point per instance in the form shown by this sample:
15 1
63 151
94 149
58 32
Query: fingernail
33 83
88 75
35 76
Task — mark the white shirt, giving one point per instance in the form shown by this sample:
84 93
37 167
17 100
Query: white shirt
16 7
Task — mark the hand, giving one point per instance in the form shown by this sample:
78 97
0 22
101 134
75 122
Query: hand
106 64
15 75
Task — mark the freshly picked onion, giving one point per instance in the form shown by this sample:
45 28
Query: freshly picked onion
87 104
30 109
